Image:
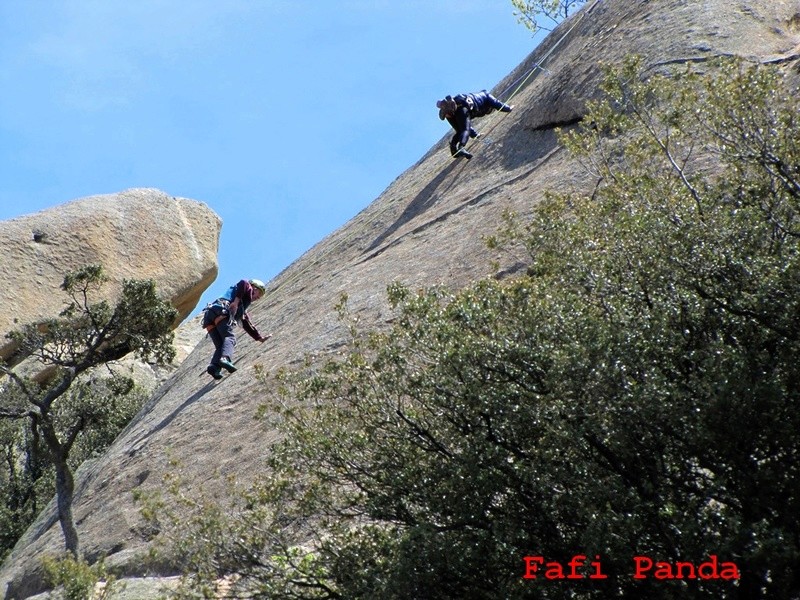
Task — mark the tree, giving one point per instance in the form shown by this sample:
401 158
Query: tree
59 407
555 11
27 479
17 495
634 394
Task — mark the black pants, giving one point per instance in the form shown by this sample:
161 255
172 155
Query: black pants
460 121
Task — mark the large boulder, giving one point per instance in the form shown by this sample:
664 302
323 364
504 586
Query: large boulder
135 234
425 229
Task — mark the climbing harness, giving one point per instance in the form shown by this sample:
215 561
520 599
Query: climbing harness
223 305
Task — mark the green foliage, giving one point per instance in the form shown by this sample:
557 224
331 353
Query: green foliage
75 579
217 543
50 425
27 480
15 489
636 393
90 332
531 13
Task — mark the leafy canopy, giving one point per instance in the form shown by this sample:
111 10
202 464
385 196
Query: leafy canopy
532 13
50 423
89 332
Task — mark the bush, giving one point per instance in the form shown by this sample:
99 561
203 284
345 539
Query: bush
75 579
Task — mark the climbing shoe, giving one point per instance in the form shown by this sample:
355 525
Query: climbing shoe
474 134
214 372
227 365
461 153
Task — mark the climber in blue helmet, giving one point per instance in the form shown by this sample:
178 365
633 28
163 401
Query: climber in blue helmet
459 112
221 317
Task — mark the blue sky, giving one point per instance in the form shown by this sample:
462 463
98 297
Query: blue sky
287 117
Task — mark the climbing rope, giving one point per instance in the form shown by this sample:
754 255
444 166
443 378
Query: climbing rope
525 77
538 66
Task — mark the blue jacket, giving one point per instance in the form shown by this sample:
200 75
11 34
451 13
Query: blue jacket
481 103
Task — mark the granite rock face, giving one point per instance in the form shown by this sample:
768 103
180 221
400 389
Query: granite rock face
425 229
135 234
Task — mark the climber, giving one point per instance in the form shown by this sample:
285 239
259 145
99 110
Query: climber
459 112
221 317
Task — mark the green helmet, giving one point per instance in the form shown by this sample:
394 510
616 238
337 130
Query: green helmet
257 283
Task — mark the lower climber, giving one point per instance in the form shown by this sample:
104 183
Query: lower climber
221 317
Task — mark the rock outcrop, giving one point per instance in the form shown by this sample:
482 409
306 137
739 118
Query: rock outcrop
135 234
425 229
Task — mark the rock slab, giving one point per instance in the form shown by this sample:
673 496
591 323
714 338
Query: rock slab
135 234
